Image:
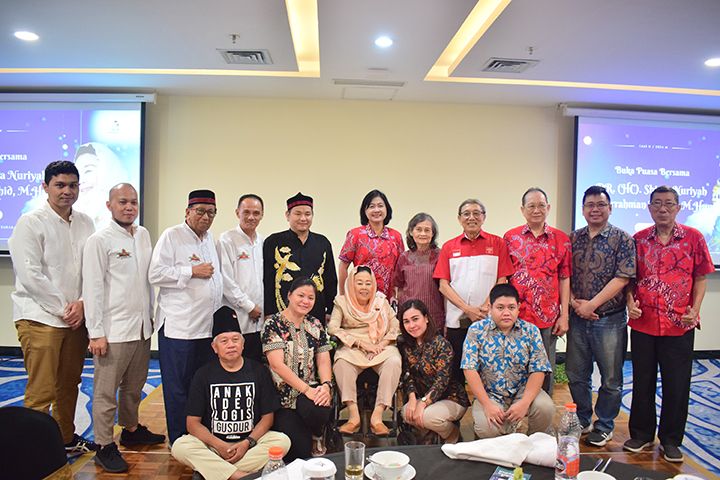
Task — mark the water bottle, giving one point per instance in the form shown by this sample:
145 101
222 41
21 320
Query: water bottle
275 468
567 465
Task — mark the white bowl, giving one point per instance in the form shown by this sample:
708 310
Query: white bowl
389 464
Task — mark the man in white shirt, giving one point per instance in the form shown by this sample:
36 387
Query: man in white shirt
118 315
241 257
468 266
46 248
186 268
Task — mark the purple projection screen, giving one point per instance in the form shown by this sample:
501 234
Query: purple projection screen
104 140
631 157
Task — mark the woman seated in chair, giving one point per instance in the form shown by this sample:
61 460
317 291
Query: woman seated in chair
435 399
367 327
298 352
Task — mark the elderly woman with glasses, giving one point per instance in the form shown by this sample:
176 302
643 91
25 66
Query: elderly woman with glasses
415 267
367 327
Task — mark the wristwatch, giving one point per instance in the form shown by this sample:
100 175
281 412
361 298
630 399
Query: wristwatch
251 441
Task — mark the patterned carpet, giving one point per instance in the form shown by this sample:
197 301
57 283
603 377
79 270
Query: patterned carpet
702 438
13 379
702 433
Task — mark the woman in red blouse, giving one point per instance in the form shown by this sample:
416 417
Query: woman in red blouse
435 399
373 244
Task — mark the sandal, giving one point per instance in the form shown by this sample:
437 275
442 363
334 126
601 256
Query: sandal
379 429
348 428
318 446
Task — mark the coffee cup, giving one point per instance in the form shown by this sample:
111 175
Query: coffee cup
389 464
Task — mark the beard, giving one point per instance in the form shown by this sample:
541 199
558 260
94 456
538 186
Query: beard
123 223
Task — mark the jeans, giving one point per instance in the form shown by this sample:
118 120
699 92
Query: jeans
604 341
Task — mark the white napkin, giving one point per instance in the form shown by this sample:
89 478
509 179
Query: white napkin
294 469
506 450
544 450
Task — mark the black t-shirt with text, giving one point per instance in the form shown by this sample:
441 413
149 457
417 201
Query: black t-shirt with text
231 403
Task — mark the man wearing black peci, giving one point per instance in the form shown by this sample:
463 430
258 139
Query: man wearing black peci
298 252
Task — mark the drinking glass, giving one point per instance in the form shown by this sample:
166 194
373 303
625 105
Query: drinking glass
354 460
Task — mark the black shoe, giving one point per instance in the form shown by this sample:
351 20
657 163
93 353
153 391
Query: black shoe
197 476
671 453
109 458
598 439
635 445
80 446
141 436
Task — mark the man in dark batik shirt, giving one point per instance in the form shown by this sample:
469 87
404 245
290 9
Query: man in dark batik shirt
603 262
295 253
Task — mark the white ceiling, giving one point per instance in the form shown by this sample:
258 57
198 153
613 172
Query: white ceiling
634 42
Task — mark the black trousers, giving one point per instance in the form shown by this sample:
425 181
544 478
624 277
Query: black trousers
300 424
456 337
253 347
674 357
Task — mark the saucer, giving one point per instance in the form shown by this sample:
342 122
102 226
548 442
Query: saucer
407 474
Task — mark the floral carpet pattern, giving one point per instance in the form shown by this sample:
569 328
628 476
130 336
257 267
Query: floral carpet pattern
13 379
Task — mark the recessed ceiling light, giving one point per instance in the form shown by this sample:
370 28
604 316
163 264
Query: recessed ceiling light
383 41
712 62
27 36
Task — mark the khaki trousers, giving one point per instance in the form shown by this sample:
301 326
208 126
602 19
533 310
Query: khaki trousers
120 375
197 455
389 371
54 360
540 416
439 416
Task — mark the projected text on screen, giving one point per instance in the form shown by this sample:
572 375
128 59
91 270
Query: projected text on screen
632 157
103 140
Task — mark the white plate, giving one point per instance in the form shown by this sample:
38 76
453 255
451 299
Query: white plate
408 473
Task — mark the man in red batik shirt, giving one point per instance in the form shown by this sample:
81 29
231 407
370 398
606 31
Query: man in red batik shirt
542 259
664 306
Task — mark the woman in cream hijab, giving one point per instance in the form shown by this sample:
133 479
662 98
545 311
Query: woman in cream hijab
367 327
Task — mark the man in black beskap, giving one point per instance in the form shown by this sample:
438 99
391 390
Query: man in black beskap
230 410
299 253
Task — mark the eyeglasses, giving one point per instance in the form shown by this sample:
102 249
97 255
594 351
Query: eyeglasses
474 214
201 211
541 206
657 204
599 205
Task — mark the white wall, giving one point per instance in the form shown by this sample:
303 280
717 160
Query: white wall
425 157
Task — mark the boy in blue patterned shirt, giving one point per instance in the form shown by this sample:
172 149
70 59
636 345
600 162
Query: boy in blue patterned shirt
505 363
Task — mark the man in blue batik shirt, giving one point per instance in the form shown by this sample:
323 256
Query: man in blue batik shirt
505 364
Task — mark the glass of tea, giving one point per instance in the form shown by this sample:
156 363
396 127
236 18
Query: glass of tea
354 460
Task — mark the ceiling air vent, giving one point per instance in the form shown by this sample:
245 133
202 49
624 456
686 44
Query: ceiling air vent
508 65
246 57
360 82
